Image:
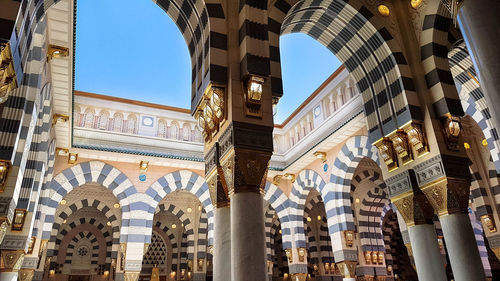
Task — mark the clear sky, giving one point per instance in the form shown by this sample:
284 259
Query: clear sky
132 49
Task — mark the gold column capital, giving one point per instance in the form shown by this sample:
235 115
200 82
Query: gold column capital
448 195
415 209
26 274
11 261
347 268
131 275
298 276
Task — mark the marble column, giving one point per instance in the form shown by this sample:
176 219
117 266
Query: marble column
479 22
462 248
425 248
222 244
248 253
8 276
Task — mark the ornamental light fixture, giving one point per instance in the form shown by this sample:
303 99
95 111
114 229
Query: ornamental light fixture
290 177
210 112
4 172
452 128
108 223
386 150
277 179
63 202
143 166
416 138
57 52
116 205
489 222
72 158
484 142
416 3
309 219
381 257
253 95
18 222
320 155
275 102
319 218
402 146
59 118
61 151
189 210
384 10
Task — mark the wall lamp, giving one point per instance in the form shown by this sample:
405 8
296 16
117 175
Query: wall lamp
4 171
143 166
320 155
57 52
59 118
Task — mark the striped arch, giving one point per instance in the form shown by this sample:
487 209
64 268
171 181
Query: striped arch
72 251
269 220
280 203
67 234
357 35
338 204
188 226
472 97
279 259
68 210
370 215
197 20
479 235
165 230
319 250
434 46
81 174
178 180
307 180
202 236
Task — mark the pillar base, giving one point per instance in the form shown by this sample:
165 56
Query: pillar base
222 244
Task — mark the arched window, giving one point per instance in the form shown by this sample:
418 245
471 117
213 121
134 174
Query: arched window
89 118
162 129
118 122
103 120
174 131
131 124
186 132
77 118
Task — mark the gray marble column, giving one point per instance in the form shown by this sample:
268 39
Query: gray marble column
462 248
428 259
8 276
248 249
222 244
479 23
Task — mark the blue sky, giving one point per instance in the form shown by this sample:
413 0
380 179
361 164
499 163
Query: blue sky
142 56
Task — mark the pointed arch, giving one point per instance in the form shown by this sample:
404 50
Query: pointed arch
280 203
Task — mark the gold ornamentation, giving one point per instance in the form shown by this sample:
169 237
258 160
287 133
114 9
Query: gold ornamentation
349 238
320 155
448 195
72 158
416 138
26 274
368 257
416 3
11 260
31 245
131 276
250 170
59 118
409 249
200 264
155 273
374 257
289 255
381 278
496 251
298 276
302 254
4 173
402 147
8 78
57 52
277 179
381 257
210 112
489 222
386 150
406 209
347 268
290 177
384 10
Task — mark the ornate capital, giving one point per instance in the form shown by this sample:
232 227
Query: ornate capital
347 268
298 276
366 278
26 274
448 195
415 209
11 261
8 78
131 275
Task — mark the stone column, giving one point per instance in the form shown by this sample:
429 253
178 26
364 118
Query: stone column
462 248
222 244
248 253
417 213
479 22
425 248
449 195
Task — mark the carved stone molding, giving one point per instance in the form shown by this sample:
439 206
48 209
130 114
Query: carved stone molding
30 263
366 278
399 184
133 265
448 195
346 255
347 268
